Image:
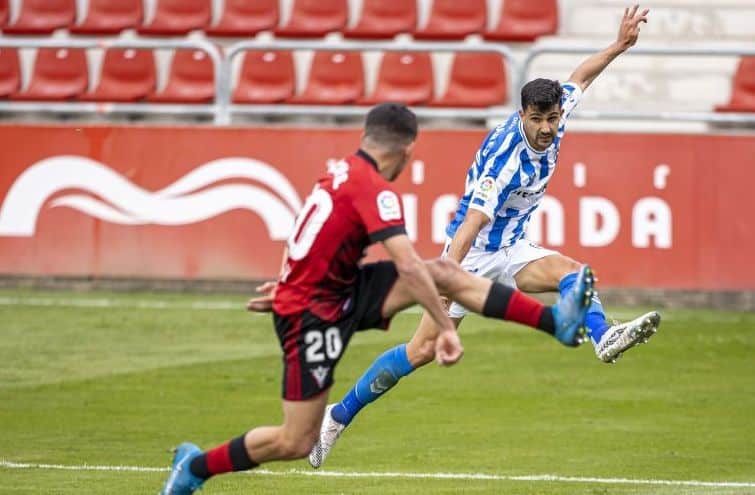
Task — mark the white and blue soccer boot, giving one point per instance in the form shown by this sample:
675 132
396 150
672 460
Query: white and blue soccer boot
623 336
330 430
181 480
570 310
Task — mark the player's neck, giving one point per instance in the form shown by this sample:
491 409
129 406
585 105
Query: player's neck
380 160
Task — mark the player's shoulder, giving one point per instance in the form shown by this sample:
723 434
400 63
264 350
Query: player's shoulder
361 178
502 140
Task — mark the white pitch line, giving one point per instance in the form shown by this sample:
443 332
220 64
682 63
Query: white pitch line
548 478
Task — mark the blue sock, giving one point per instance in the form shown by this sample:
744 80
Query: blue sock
595 320
380 377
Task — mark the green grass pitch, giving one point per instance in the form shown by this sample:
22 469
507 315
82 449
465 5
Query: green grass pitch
118 385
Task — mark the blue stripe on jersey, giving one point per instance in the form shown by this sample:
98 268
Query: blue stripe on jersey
527 166
496 232
517 232
544 168
478 201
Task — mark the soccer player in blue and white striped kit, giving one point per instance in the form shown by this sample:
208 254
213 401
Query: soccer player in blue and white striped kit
504 186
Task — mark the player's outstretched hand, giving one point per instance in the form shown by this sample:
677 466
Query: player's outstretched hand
264 303
448 348
629 30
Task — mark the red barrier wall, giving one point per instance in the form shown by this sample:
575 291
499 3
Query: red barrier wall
661 211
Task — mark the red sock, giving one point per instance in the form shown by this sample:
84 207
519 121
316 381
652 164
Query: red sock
230 456
506 303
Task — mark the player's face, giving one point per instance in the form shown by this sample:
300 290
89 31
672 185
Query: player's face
540 127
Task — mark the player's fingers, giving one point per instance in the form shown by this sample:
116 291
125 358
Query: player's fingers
626 12
260 304
634 10
264 287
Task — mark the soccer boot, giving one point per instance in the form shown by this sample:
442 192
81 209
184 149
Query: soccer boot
181 481
570 310
330 430
623 336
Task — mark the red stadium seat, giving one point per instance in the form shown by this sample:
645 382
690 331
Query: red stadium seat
405 78
191 80
743 88
4 12
127 75
43 16
110 17
454 19
385 19
178 17
525 20
313 18
246 18
59 74
477 80
336 78
266 77
10 73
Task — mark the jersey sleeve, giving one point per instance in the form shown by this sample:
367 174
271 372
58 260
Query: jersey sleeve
380 211
499 178
570 96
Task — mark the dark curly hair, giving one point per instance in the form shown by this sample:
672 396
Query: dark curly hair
541 94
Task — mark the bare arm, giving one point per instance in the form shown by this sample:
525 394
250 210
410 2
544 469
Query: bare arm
629 30
473 223
418 279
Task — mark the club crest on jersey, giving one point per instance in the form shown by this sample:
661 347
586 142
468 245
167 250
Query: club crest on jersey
320 374
388 206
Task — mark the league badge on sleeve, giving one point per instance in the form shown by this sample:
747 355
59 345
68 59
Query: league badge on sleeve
388 205
486 189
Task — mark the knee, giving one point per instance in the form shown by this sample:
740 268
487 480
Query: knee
446 272
295 448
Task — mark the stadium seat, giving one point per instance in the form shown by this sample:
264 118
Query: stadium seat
110 17
314 18
477 80
403 77
191 79
174 17
246 18
127 75
454 19
43 16
58 74
335 78
743 88
525 20
10 73
266 77
384 19
4 12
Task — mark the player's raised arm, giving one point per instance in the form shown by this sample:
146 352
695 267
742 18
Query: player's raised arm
629 30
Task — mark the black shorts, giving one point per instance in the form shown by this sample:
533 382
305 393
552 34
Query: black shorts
312 347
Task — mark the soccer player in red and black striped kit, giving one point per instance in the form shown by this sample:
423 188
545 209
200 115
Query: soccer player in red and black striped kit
325 295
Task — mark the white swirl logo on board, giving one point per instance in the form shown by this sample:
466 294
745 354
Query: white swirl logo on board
106 195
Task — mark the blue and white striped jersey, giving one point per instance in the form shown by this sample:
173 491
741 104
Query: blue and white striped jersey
508 178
